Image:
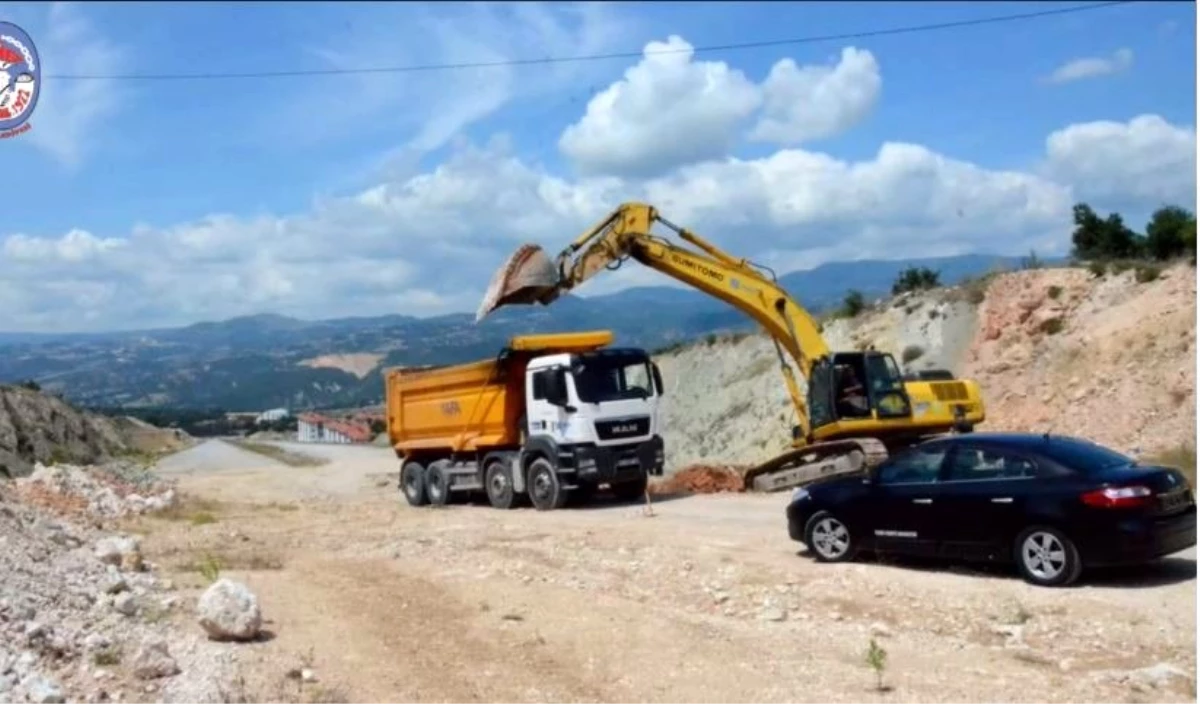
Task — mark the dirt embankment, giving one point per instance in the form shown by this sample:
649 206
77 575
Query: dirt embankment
37 427
1111 359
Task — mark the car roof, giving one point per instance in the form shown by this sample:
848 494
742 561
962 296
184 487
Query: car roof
1014 440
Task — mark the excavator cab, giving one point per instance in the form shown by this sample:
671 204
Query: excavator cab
856 386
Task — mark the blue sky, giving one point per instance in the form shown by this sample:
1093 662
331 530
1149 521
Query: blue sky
139 165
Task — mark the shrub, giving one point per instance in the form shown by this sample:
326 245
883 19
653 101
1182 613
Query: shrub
1098 269
1054 292
911 353
1146 273
853 304
1051 326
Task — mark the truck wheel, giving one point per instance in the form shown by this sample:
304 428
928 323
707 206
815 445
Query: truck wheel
498 481
412 483
545 490
437 484
630 491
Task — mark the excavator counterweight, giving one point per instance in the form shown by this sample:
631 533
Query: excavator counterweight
857 405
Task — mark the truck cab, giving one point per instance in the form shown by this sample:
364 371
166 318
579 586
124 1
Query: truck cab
596 413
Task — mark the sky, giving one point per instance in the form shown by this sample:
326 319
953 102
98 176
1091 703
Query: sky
152 203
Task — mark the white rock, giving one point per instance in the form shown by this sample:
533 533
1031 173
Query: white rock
308 675
153 660
228 610
772 614
43 691
881 630
125 604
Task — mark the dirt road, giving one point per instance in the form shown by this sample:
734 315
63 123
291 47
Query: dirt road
706 600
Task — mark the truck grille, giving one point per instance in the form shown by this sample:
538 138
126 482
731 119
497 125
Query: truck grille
949 390
622 428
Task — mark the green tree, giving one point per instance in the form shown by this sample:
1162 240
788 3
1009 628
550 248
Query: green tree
1103 238
916 279
853 303
1171 232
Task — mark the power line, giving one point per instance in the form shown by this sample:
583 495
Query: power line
588 57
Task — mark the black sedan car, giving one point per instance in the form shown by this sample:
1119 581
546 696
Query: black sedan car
1052 504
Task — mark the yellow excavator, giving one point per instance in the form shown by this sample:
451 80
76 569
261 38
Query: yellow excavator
858 407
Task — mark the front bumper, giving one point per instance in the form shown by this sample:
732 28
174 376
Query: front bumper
798 513
618 463
1141 540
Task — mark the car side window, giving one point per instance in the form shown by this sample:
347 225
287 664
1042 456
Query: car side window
917 466
975 464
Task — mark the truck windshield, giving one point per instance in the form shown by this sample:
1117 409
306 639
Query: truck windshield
599 379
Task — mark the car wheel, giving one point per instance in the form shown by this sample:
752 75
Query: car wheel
412 481
829 538
1047 557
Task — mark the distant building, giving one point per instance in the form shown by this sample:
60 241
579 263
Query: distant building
314 427
272 415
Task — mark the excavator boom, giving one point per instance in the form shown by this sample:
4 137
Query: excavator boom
529 276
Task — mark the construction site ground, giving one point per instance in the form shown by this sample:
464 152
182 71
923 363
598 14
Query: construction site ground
705 600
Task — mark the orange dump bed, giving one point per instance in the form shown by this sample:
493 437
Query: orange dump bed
468 407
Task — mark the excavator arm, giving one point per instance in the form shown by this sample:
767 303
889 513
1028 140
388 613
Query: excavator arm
626 234
839 443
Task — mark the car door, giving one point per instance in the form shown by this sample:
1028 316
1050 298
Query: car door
984 491
902 513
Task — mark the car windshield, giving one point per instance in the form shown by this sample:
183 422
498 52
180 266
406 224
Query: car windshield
612 378
1082 455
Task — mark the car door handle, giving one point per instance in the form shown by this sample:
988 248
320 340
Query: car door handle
922 501
1002 500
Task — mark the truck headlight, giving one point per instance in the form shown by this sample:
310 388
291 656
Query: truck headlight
799 493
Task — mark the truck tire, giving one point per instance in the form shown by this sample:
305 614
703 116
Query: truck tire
631 491
412 483
437 484
497 479
545 490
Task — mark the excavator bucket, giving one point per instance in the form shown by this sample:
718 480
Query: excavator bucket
527 277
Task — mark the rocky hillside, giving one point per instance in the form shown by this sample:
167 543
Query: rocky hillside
37 427
1110 358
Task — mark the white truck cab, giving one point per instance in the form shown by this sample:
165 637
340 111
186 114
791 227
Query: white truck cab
597 413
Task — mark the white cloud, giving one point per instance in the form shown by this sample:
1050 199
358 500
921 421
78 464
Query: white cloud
1092 67
669 110
804 103
1146 161
665 111
425 241
427 244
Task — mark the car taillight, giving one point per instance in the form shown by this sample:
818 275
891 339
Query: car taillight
1118 497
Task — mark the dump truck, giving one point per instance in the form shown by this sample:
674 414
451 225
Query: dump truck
550 417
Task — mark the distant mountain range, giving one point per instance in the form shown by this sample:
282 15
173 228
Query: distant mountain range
266 361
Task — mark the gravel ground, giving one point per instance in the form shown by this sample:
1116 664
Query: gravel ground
705 600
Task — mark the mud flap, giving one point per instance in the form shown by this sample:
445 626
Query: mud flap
528 276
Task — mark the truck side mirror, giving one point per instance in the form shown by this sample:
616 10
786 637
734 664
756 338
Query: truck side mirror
658 380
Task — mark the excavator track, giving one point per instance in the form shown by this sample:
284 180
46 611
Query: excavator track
817 461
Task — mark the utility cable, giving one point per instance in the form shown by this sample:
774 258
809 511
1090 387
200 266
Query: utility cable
590 57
